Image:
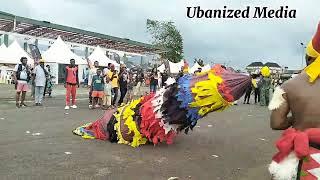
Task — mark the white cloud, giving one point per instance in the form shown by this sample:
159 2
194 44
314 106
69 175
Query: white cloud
238 40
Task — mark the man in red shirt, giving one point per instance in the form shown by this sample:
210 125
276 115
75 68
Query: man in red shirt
71 84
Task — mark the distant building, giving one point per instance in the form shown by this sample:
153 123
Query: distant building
255 67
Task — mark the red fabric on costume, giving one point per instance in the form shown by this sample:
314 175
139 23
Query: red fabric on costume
150 126
226 92
297 141
98 128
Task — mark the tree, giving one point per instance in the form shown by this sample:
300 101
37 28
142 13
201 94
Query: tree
166 35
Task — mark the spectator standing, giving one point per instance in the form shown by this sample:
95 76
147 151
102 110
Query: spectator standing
40 75
107 93
21 76
71 84
123 83
97 89
92 72
113 76
165 77
256 89
153 81
139 80
131 83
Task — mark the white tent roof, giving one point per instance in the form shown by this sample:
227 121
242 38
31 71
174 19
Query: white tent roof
60 53
99 55
3 53
176 67
13 54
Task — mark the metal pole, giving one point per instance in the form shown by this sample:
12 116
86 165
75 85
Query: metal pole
302 59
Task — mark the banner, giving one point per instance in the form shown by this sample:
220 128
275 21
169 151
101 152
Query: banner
35 52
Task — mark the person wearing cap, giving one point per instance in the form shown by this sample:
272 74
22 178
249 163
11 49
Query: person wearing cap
40 77
299 145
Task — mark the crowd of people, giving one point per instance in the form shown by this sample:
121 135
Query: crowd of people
39 77
261 87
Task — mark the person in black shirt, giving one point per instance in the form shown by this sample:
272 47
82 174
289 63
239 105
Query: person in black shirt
123 83
164 76
153 80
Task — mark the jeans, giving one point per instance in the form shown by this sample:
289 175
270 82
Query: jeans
38 94
115 92
153 88
123 92
256 95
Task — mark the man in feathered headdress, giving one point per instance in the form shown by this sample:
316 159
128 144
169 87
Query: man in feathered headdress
299 146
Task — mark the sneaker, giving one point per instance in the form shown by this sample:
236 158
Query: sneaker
18 105
66 108
23 105
74 106
90 106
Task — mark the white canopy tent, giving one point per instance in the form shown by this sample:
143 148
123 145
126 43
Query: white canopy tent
60 53
99 55
176 67
13 54
3 53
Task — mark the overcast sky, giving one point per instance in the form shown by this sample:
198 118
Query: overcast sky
237 41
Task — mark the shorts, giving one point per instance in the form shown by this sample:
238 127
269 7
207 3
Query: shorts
97 94
24 87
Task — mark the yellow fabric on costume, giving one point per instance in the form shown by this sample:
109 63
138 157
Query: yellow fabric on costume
132 126
265 71
313 70
311 51
117 115
207 97
127 116
83 134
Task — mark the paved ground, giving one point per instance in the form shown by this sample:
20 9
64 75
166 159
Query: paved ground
240 137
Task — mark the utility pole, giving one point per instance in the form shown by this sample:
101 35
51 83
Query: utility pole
302 59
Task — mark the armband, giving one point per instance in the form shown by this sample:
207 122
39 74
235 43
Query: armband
277 99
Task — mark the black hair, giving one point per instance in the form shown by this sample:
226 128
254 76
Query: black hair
22 58
72 60
109 64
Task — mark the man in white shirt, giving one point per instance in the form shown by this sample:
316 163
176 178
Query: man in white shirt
21 76
40 77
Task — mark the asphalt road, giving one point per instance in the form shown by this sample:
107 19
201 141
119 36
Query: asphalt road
37 143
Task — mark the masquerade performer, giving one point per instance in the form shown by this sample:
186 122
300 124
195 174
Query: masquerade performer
299 146
265 84
160 116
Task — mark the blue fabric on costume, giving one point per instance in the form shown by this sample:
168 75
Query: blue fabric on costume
184 95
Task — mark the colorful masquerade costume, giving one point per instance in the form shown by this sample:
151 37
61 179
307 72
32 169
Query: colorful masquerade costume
265 85
299 151
177 107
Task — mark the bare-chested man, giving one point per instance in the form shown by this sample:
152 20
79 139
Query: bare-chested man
299 146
